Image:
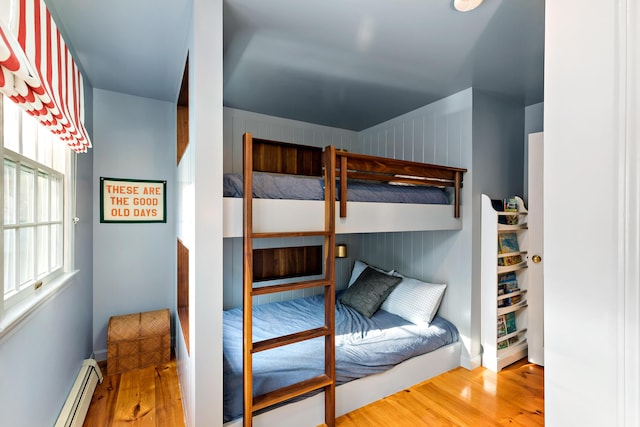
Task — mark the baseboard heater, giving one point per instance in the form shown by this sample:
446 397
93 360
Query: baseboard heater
75 408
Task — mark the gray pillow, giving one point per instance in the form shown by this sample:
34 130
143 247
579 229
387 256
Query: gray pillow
369 291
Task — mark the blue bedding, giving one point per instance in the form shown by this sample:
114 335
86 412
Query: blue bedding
363 346
296 187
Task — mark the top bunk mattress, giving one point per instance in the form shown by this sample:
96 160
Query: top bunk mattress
296 187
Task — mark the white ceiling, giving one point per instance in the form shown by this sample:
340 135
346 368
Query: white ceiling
344 63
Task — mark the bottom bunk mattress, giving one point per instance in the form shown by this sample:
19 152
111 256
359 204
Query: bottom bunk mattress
364 346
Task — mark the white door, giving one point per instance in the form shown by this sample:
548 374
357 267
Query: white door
536 257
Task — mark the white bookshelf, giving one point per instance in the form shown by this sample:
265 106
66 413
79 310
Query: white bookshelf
503 349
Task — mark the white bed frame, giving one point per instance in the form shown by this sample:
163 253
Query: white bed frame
363 217
358 393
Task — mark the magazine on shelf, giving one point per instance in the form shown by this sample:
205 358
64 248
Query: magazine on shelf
508 243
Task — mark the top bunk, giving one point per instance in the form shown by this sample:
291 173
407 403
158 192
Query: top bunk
374 194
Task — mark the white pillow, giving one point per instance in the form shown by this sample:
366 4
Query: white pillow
414 300
359 267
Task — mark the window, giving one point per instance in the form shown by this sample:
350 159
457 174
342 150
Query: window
34 169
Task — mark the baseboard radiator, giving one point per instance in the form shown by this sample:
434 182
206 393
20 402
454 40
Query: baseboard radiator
75 408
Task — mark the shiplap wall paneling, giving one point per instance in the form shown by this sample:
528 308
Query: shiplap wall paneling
423 255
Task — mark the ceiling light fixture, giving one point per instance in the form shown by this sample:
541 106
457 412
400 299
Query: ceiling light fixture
466 5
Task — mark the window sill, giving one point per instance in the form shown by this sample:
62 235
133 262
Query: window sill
17 314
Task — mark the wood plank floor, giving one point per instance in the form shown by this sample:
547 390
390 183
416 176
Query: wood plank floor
515 397
148 397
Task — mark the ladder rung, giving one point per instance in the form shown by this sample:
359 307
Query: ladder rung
283 287
288 392
290 339
289 234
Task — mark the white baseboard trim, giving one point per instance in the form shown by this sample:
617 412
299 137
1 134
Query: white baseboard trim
470 363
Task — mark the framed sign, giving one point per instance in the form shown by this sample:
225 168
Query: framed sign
132 200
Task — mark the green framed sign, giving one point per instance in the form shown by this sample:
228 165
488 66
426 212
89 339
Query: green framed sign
132 200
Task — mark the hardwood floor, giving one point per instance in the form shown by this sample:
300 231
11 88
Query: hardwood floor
148 397
515 397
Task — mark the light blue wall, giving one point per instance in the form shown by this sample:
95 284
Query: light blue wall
497 146
133 264
533 118
533 122
40 360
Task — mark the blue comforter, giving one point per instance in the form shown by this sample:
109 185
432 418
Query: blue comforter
295 187
363 346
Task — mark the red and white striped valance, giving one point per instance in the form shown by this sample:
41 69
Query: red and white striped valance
38 73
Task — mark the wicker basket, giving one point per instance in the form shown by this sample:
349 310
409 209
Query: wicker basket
138 340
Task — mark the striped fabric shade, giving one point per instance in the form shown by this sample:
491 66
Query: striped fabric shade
38 73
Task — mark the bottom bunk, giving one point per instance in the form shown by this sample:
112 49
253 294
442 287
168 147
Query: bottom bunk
375 357
358 393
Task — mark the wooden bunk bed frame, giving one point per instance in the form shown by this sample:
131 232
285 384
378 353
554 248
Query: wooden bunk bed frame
271 156
373 168
281 157
326 381
289 215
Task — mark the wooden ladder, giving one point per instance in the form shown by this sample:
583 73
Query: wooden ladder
325 381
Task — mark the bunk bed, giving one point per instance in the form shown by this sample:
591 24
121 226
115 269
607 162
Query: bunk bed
374 194
364 346
289 403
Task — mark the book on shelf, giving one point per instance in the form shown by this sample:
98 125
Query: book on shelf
503 344
502 326
501 289
507 343
510 279
508 243
507 283
510 204
509 301
512 286
498 205
510 322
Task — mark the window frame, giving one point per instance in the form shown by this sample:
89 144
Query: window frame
34 292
